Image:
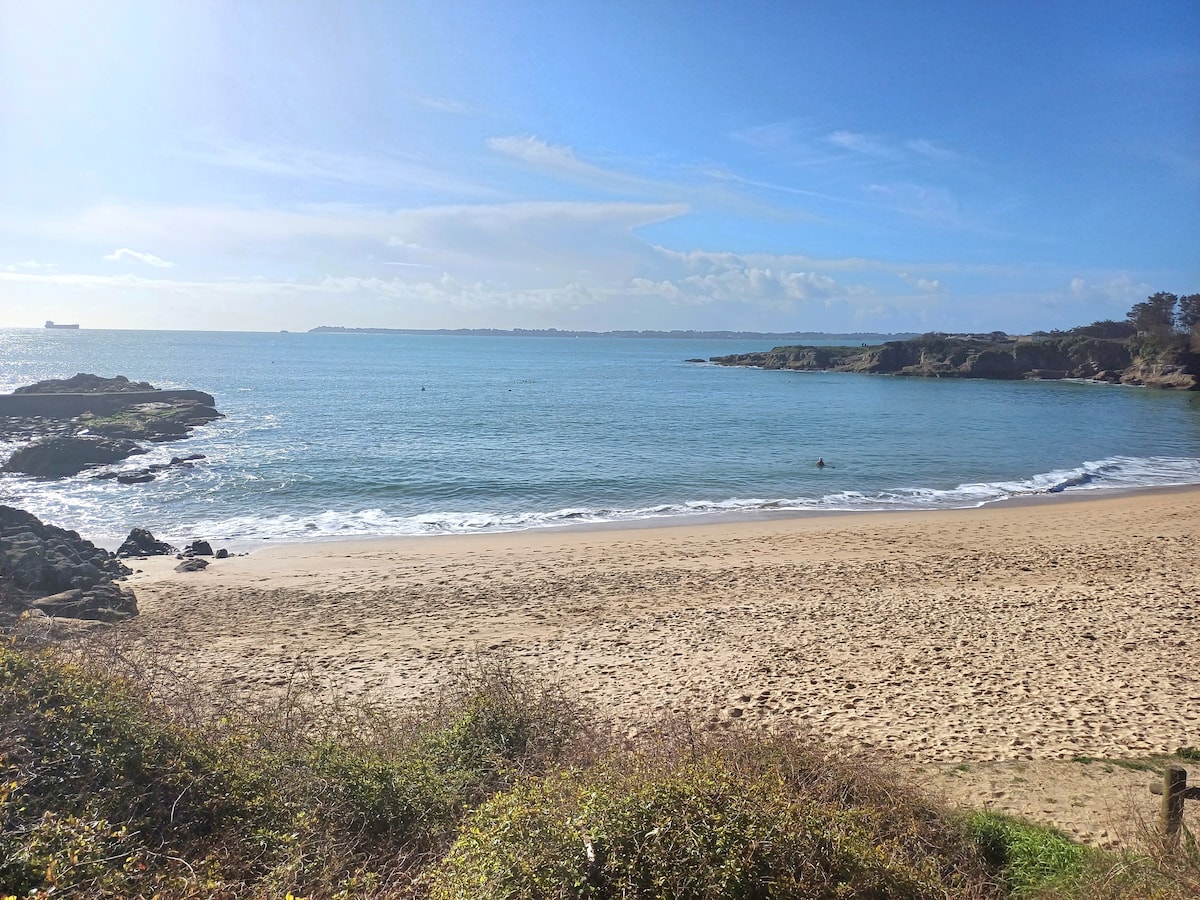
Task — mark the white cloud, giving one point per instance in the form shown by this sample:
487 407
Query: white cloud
475 235
931 150
1115 293
561 161
31 265
928 285
443 104
307 164
863 144
138 256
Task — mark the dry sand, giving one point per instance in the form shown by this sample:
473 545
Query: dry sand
986 650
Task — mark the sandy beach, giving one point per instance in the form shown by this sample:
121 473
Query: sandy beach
971 645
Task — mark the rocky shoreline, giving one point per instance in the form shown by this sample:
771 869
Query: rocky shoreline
996 357
80 423
67 427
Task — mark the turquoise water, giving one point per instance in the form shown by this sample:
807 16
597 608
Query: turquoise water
337 435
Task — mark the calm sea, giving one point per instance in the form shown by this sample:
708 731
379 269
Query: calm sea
340 435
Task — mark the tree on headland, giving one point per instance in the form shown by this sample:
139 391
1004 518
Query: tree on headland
1155 316
1187 318
1107 329
1166 321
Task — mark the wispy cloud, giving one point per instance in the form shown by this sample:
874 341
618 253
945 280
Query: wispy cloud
30 265
863 144
798 145
560 161
443 104
922 201
138 256
932 150
305 163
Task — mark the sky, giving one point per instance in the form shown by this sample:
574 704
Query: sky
780 166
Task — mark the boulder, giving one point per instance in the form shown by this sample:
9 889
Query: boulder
192 565
104 603
136 477
141 476
39 561
199 548
58 457
221 554
142 543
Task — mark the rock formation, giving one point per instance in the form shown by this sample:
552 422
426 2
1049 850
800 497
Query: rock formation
939 356
86 420
85 383
57 571
57 457
142 543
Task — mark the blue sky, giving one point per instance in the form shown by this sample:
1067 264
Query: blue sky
848 166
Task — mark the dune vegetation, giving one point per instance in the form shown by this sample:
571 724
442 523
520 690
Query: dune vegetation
118 781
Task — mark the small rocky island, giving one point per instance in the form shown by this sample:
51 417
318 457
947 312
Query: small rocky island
79 423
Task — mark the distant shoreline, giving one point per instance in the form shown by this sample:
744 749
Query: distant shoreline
677 334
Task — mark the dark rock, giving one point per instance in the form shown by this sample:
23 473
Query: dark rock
141 476
58 457
142 543
103 602
85 383
136 477
39 561
192 565
160 420
696 360
222 554
199 548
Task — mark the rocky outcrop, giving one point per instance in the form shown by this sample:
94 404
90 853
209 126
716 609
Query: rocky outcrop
86 420
57 571
1161 375
69 406
935 356
142 543
85 383
149 473
58 457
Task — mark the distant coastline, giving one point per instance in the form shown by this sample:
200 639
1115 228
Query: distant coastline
865 336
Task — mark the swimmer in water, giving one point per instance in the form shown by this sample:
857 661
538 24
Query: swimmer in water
820 462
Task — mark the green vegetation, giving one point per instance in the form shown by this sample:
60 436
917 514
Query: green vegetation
115 784
1161 325
1031 860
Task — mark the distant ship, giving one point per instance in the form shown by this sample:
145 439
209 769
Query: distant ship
50 324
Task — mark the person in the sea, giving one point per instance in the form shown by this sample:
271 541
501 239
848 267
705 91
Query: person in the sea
820 462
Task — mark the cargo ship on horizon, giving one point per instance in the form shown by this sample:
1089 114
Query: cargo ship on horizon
50 324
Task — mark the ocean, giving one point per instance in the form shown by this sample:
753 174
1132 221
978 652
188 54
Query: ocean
353 435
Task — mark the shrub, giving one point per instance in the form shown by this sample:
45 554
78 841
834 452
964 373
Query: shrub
723 822
105 792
